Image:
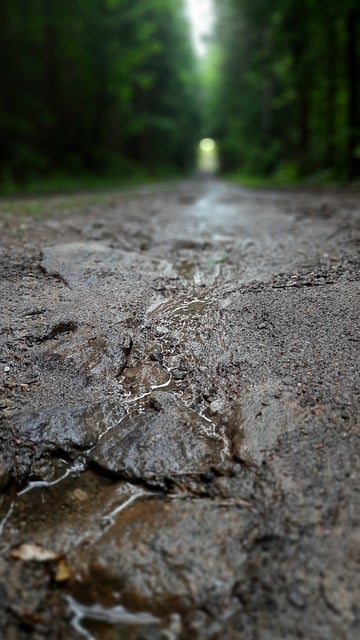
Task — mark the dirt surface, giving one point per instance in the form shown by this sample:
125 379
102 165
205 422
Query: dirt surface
179 415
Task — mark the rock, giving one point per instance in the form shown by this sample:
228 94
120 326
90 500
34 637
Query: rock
91 351
80 264
168 439
217 406
179 374
4 474
67 429
67 261
260 417
172 553
296 599
145 377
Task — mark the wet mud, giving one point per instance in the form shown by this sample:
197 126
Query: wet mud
180 415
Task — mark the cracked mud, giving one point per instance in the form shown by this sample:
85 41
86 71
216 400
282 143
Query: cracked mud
180 415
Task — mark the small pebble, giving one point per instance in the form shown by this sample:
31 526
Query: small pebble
161 330
216 406
296 599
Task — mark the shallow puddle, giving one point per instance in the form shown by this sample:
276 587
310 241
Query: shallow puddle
193 306
167 309
67 514
106 621
69 471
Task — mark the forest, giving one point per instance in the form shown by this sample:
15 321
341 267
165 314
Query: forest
284 87
114 88
95 87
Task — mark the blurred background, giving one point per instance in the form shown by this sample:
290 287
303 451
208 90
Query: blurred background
285 88
121 90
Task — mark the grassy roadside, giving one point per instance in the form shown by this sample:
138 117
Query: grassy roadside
284 182
68 183
57 195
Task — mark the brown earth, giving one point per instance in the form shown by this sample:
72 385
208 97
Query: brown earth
180 415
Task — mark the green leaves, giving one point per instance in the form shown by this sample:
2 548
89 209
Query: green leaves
285 88
96 80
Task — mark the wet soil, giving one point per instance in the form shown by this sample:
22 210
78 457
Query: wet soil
180 415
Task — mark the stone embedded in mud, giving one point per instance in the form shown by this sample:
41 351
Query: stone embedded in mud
66 429
168 439
172 554
80 264
91 351
260 417
145 377
4 473
71 260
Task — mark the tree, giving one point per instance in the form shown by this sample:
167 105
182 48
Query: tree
95 85
287 89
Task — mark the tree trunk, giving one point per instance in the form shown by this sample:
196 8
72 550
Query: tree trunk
353 115
331 73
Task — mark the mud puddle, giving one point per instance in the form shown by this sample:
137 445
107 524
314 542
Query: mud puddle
65 518
109 623
178 308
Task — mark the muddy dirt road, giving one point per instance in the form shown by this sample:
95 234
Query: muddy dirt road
179 415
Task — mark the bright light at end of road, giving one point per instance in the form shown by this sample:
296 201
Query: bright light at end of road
207 145
208 157
201 17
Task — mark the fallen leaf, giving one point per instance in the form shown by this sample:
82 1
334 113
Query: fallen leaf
63 572
34 553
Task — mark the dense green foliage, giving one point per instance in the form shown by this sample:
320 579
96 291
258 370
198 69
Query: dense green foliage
95 86
110 88
285 90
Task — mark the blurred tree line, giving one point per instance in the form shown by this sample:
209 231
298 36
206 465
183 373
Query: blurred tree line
95 86
284 87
